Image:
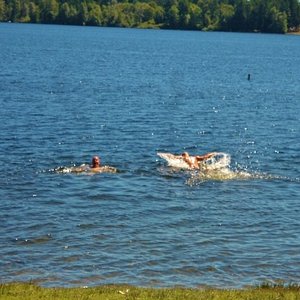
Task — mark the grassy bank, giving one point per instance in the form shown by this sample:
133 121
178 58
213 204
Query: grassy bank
114 292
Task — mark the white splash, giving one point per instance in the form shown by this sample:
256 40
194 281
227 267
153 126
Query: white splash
217 167
218 161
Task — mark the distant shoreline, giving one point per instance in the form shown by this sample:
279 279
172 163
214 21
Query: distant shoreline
156 27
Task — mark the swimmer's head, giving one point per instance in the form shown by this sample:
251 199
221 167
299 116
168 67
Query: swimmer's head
184 154
96 162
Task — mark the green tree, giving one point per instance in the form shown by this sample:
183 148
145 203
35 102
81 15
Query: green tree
111 15
34 12
159 12
14 10
277 21
64 13
144 12
258 15
94 14
2 11
294 14
184 13
127 15
83 14
173 16
49 11
240 20
195 17
209 17
24 14
67 14
214 8
226 15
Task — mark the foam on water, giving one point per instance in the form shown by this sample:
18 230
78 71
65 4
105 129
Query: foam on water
218 161
222 174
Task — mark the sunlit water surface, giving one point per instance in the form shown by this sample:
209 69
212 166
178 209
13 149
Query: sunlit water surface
68 93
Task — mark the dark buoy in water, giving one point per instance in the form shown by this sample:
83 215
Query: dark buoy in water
249 76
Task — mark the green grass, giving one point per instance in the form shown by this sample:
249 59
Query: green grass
26 291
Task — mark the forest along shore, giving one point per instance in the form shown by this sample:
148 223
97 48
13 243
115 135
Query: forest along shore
277 16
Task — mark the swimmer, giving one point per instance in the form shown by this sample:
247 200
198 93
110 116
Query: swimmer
95 167
193 161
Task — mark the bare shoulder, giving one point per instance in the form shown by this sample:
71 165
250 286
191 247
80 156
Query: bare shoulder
104 169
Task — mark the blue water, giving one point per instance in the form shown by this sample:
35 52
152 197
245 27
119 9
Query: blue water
68 93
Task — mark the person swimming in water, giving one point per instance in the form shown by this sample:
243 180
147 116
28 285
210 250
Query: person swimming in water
193 161
94 167
96 161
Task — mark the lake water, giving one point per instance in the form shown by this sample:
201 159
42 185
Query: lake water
68 93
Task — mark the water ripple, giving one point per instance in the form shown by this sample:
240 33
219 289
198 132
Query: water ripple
149 224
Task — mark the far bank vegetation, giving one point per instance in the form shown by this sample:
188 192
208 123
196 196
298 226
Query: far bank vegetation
272 16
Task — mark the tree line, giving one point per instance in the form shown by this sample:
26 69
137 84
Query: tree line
274 16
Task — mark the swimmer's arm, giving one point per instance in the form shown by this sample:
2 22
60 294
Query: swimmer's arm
106 169
205 156
210 154
189 162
